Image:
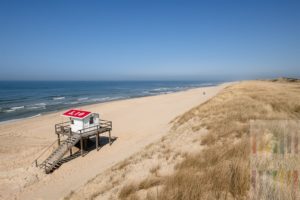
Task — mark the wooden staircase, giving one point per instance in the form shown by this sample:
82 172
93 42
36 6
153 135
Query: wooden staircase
56 158
53 160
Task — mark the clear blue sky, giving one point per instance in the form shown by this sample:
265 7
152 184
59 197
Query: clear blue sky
154 39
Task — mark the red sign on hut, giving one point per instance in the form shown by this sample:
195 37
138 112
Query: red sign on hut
77 113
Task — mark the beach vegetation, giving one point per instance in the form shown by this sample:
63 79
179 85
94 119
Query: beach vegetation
221 170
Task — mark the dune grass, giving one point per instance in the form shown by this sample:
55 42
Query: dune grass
221 171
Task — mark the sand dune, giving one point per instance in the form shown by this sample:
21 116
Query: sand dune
136 123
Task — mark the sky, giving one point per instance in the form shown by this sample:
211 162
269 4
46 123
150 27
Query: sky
149 39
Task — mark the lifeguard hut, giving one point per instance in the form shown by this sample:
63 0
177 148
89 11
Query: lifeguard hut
80 126
82 120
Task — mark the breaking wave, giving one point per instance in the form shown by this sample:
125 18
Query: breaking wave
13 109
58 98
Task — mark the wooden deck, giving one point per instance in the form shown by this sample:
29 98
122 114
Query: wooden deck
64 129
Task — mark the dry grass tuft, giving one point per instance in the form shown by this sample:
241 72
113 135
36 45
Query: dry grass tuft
123 164
154 170
128 190
150 182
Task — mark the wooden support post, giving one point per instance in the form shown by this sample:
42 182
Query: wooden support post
109 138
85 141
81 146
58 139
97 140
70 134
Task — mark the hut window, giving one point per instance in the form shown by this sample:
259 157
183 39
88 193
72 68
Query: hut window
91 120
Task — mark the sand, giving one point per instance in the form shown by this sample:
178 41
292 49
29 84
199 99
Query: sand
136 123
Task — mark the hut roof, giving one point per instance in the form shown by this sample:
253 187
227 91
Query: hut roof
80 114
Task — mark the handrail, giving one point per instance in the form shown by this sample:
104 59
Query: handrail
107 123
60 125
63 123
35 160
89 129
103 124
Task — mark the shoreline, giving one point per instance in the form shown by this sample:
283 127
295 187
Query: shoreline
109 101
137 122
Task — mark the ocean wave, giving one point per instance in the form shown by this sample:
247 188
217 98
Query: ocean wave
147 93
41 104
176 89
92 100
116 98
103 99
37 106
83 99
28 107
37 115
17 107
165 90
72 102
161 89
58 98
13 109
204 84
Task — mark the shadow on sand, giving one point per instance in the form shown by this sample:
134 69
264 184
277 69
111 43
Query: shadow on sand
89 146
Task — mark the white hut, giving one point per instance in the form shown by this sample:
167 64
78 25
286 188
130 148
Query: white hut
82 120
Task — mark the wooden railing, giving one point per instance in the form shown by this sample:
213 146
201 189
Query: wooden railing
106 124
103 125
43 153
63 127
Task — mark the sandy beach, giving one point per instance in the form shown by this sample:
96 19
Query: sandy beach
136 123
149 100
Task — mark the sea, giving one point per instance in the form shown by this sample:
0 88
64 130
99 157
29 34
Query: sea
26 99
